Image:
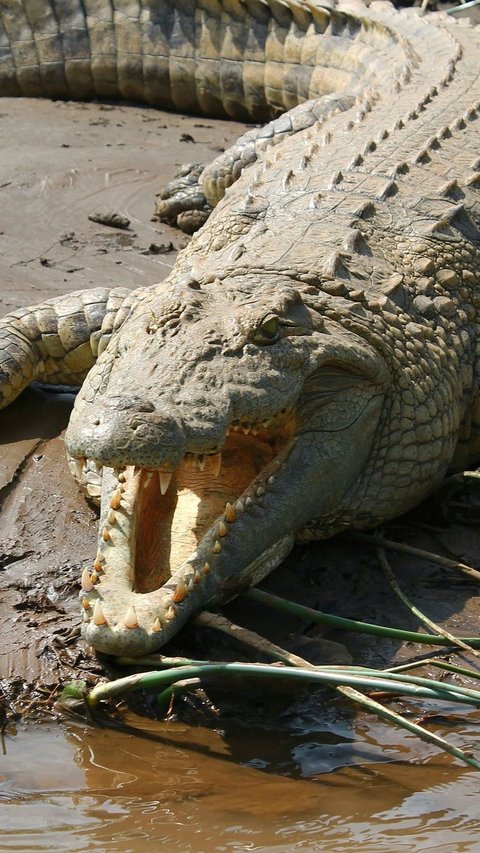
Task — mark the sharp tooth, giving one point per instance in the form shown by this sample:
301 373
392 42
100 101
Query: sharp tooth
217 547
164 478
222 528
97 567
201 461
111 517
206 569
85 603
87 584
248 501
130 619
197 576
271 481
239 506
115 499
260 491
216 459
265 423
79 468
100 558
148 479
98 614
246 430
190 584
230 513
254 431
181 592
136 471
121 477
94 577
157 626
170 614
105 535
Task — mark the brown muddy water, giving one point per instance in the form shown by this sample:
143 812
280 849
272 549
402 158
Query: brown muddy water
314 776
321 787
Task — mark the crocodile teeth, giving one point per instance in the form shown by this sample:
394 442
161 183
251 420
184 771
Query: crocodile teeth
260 491
246 430
230 513
79 463
217 547
206 569
105 535
201 461
130 619
164 479
115 499
87 584
111 517
216 460
180 593
170 614
85 603
197 577
100 558
98 614
222 529
157 626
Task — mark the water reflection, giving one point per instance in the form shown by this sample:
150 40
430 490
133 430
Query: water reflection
186 789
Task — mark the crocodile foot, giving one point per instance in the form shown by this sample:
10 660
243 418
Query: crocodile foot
182 202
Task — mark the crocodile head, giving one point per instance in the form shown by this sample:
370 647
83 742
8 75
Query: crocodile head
228 418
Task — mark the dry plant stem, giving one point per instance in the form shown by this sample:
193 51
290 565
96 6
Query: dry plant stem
448 667
418 613
251 638
422 733
390 545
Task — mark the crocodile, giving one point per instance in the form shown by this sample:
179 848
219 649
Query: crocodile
310 364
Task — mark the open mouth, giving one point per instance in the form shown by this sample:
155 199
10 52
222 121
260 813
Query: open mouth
165 537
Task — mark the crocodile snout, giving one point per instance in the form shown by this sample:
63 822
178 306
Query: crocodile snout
127 431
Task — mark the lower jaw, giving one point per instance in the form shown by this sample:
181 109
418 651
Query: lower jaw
131 612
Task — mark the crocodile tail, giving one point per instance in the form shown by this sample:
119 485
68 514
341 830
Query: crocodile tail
245 59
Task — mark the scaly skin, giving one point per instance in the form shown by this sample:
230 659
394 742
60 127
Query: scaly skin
310 364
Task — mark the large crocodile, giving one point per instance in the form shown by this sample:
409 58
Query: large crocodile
310 363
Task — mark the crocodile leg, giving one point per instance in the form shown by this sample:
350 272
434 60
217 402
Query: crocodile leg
57 341
188 200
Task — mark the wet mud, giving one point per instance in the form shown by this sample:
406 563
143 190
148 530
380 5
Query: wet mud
232 769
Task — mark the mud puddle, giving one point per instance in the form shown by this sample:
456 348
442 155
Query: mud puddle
291 773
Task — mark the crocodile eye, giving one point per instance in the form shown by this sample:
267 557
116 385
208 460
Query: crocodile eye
267 331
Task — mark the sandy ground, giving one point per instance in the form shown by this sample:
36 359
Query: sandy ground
60 162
